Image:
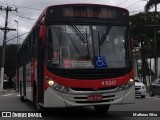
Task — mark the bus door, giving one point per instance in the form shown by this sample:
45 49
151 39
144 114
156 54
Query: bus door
40 71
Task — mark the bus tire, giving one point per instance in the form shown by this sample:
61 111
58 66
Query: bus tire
22 99
34 94
102 109
37 106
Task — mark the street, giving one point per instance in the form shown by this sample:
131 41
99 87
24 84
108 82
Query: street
10 102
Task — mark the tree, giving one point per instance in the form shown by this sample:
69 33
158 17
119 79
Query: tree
144 36
10 60
150 4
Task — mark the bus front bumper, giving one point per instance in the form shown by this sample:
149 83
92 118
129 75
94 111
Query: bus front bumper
54 98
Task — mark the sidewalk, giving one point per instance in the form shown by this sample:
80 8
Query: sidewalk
5 91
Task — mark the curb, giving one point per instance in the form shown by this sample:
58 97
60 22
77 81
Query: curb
8 91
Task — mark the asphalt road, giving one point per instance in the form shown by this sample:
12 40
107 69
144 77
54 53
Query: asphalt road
10 101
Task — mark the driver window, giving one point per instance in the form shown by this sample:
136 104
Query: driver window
65 53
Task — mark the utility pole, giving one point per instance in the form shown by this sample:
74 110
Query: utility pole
155 44
5 29
17 31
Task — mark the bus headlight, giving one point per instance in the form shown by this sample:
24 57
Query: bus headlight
127 85
50 82
56 86
60 88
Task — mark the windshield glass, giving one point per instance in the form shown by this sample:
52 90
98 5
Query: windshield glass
87 46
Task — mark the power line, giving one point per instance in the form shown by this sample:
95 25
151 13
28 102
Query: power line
24 17
1 34
24 12
9 32
0 19
134 3
27 7
23 20
23 7
122 2
16 37
6 2
14 3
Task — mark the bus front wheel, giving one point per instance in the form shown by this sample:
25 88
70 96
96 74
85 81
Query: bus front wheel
101 108
22 99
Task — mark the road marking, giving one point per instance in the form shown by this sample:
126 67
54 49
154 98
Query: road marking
157 97
7 95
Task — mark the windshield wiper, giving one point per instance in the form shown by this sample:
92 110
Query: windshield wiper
108 28
79 34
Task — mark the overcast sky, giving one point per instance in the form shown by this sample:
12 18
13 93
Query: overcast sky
29 11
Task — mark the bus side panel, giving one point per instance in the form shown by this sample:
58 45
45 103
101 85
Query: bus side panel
17 80
33 77
40 72
21 80
28 82
24 81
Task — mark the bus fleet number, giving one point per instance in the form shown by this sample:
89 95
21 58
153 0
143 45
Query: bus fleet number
109 83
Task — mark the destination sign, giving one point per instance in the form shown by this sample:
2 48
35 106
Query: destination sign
91 13
67 12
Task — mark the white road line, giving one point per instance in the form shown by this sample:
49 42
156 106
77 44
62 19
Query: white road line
7 95
154 97
18 95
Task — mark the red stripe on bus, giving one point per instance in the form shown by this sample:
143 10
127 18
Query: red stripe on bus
94 84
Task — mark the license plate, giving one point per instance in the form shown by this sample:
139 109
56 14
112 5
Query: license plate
95 97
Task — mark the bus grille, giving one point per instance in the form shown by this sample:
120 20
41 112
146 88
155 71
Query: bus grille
90 89
90 74
102 101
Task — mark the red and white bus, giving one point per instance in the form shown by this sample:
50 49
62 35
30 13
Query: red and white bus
77 55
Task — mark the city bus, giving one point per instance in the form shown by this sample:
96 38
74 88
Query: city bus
77 55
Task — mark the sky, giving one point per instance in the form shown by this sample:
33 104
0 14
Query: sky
29 11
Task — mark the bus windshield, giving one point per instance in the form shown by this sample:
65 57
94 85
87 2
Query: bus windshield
87 46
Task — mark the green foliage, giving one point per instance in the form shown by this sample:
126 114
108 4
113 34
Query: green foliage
10 60
144 36
142 33
150 4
